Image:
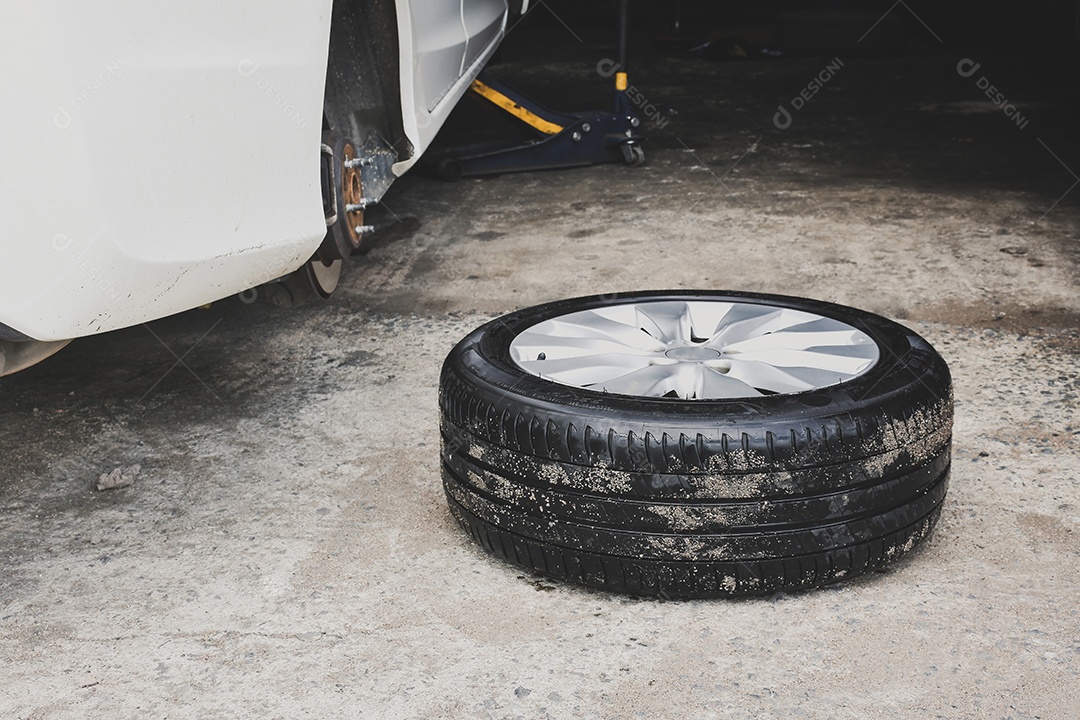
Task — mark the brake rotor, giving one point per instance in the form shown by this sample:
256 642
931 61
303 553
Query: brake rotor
323 276
352 192
344 198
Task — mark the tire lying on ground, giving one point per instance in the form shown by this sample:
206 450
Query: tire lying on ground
696 443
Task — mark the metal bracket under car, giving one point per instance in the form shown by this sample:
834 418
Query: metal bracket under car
17 355
561 139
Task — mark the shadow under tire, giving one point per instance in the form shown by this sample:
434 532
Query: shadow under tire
687 444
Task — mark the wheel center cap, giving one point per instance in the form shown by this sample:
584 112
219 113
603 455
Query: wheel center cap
692 354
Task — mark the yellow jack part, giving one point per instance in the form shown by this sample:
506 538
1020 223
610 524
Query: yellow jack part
523 114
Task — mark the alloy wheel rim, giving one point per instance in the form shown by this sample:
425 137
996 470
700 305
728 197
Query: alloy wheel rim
694 350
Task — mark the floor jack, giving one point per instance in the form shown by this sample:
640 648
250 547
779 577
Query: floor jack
560 139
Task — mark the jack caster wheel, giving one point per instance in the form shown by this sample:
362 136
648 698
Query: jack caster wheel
633 155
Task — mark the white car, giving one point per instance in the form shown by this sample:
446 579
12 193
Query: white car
157 156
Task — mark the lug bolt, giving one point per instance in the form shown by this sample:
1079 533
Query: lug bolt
358 206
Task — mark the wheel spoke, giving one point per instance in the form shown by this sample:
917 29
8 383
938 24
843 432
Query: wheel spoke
782 380
868 351
787 340
706 318
686 381
528 345
590 324
652 381
586 369
740 323
806 359
817 325
666 321
717 386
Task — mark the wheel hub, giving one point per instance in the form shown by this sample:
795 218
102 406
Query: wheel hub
692 353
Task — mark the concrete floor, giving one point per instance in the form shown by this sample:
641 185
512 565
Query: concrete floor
286 552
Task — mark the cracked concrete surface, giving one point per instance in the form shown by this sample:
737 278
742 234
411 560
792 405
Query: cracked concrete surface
285 550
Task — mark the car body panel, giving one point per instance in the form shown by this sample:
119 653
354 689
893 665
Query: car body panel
158 156
484 24
439 40
420 119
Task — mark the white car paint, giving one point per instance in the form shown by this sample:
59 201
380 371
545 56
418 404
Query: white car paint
484 22
438 46
427 95
161 156
158 156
